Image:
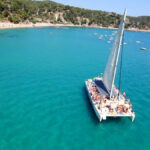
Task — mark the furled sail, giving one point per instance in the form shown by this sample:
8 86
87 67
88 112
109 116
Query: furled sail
110 70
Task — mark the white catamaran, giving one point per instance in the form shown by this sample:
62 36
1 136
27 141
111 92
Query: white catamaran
106 99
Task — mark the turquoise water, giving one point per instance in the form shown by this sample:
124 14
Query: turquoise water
43 102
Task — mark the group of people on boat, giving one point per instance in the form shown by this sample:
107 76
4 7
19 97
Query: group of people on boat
118 105
123 108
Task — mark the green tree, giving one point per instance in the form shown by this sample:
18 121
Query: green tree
14 19
83 21
6 13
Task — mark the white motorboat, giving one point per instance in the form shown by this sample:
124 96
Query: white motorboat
143 48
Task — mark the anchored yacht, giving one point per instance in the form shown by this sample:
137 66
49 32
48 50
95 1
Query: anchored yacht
106 99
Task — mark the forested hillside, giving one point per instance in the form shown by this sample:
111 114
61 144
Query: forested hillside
26 11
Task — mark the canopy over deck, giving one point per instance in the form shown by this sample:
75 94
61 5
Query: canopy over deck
101 87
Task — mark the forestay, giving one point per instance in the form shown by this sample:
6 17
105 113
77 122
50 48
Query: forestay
110 70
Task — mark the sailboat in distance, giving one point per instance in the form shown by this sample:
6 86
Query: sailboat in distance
106 99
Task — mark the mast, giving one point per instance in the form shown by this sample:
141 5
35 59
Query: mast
111 67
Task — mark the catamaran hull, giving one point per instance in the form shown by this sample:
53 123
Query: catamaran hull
94 108
101 116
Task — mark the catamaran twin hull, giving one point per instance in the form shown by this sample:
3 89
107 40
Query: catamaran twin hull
104 106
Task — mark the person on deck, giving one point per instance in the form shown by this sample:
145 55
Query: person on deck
124 94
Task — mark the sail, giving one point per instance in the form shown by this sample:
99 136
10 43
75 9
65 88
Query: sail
111 66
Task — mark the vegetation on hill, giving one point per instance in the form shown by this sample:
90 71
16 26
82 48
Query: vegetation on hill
26 11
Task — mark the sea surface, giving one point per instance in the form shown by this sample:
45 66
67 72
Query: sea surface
43 101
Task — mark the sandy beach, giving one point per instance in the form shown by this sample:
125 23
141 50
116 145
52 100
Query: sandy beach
9 25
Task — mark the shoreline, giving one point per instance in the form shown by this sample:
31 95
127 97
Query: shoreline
8 25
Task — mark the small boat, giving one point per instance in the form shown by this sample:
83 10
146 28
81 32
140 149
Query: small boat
111 39
106 99
138 41
100 37
125 43
143 48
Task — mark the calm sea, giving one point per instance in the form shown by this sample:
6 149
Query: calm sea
43 102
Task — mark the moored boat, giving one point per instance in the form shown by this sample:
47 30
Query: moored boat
100 37
106 99
138 41
143 48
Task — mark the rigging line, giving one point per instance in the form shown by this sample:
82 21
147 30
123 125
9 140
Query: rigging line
121 62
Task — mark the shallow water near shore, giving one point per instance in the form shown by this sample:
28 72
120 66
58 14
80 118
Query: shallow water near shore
43 101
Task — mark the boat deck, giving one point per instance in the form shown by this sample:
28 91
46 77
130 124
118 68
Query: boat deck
105 107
